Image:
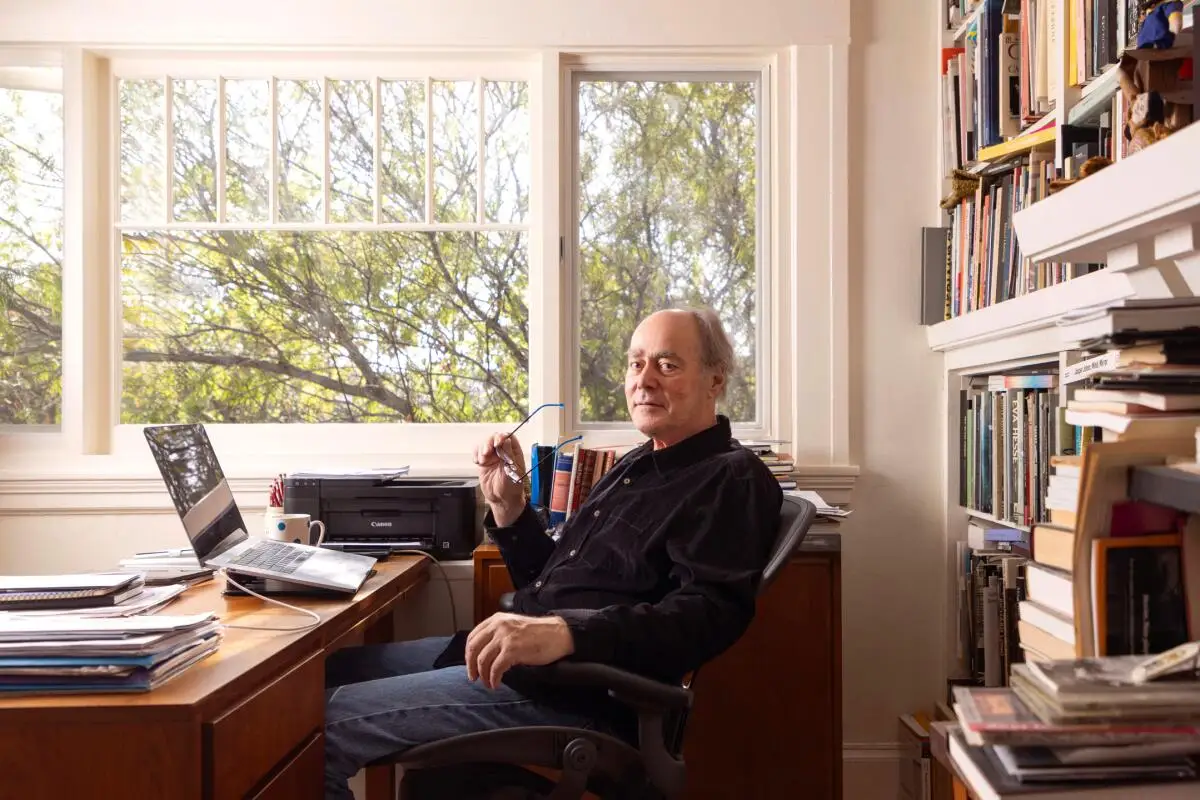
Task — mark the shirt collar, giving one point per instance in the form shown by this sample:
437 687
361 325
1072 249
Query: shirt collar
710 441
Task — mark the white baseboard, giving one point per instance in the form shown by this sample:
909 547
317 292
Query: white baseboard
871 751
876 770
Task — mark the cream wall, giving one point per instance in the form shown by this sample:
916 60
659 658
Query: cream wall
892 550
892 547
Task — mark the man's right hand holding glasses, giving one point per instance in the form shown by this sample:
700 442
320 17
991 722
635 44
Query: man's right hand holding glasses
496 457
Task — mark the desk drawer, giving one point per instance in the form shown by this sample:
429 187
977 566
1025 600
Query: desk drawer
302 778
245 744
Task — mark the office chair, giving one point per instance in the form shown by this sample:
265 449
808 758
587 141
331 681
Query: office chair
493 764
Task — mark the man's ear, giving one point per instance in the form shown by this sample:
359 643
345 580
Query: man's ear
718 383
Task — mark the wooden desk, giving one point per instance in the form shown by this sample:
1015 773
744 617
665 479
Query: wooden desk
245 722
767 720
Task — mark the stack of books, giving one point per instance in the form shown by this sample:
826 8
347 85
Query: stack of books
1124 726
781 463
74 653
1140 374
66 592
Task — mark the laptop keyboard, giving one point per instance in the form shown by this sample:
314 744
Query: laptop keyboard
274 556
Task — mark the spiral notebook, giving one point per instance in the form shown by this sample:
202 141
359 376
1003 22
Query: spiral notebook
34 588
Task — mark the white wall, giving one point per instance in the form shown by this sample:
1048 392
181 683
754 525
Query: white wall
892 550
892 547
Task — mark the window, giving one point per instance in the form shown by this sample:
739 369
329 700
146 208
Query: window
311 249
667 206
31 246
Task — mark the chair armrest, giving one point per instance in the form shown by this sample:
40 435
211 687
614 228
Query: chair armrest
628 687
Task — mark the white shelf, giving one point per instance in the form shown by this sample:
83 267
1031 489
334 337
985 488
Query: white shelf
994 519
1034 313
1127 204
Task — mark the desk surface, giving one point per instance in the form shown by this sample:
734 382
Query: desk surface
244 655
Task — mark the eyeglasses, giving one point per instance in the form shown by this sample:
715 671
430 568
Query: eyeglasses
510 467
551 457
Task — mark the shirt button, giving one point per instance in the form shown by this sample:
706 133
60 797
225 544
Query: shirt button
572 554
596 513
627 481
537 585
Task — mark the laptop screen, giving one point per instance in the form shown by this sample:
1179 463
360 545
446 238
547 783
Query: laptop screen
197 486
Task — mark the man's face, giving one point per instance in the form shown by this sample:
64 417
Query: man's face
671 395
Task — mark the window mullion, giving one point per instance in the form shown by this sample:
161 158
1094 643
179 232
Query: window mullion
169 148
545 288
219 173
481 153
326 173
273 188
377 108
89 346
429 149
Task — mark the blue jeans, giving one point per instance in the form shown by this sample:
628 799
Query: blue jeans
383 699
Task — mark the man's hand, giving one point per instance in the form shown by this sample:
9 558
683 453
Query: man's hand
506 640
507 499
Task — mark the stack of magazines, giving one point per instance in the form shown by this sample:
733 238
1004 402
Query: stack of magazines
76 653
1118 726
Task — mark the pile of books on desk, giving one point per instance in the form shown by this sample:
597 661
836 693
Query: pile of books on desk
1095 728
76 654
116 594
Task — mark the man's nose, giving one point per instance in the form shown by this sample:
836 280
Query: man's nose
648 378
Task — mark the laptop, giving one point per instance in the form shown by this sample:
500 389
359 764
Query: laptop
214 525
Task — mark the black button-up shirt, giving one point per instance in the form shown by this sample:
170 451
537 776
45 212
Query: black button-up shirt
657 571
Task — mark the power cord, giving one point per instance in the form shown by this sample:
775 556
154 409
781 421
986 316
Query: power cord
445 579
316 618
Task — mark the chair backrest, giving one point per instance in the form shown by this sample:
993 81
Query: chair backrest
796 516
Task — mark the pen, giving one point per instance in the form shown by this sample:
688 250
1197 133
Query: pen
173 553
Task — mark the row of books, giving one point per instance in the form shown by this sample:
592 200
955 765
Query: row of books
996 80
1010 426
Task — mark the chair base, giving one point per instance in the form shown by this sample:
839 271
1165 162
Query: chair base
479 765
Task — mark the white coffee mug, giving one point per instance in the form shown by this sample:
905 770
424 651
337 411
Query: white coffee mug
296 528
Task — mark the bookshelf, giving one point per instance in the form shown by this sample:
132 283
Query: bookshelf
1140 217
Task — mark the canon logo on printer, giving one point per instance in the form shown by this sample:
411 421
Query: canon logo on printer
377 524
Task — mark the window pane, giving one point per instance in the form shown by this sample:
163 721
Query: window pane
31 232
301 156
402 157
324 326
667 202
194 121
247 150
143 151
506 159
351 152
455 151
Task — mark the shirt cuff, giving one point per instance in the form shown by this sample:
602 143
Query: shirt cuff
589 633
505 535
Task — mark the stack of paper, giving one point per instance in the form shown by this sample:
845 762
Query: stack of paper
823 508
75 654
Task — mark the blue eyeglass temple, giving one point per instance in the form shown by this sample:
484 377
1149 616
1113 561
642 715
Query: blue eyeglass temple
551 456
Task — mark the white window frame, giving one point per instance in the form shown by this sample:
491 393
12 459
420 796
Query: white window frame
90 440
260 446
675 67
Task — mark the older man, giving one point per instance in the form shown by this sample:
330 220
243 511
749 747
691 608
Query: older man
655 573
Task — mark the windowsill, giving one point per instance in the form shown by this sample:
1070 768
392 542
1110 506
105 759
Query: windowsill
107 491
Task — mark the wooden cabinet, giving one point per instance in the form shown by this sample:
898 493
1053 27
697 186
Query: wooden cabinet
491 581
767 721
245 722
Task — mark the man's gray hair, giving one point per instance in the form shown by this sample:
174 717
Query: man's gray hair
716 351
